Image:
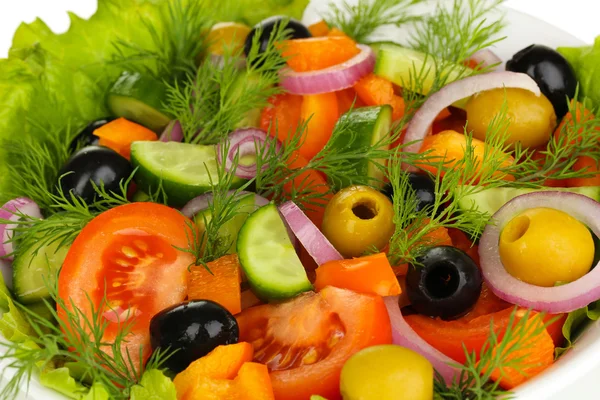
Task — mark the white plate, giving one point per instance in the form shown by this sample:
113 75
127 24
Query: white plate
575 375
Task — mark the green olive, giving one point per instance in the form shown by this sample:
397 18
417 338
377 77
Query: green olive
358 218
387 372
532 118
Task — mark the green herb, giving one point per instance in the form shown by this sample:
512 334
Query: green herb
497 354
221 97
360 21
179 37
77 340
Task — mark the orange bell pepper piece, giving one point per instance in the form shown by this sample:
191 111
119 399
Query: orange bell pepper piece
314 54
253 383
120 133
281 116
449 147
322 113
370 275
319 29
221 284
374 90
346 98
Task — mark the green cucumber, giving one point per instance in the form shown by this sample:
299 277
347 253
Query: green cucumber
245 205
31 272
184 170
367 126
490 200
375 46
398 64
139 98
240 85
268 257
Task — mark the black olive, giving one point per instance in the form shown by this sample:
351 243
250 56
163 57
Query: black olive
86 136
550 70
97 164
192 329
445 283
423 186
297 31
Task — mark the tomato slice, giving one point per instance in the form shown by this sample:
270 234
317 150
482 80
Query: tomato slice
306 341
128 253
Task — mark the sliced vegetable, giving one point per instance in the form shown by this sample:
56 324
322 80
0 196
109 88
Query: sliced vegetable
127 254
184 171
308 234
564 298
121 133
370 274
14 210
243 145
172 133
420 124
321 113
218 281
281 116
227 36
367 127
337 77
139 98
154 385
314 54
584 61
374 90
319 28
485 58
306 341
268 257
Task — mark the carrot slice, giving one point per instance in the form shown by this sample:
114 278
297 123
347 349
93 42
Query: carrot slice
322 112
221 284
120 133
371 275
318 53
319 29
253 383
223 362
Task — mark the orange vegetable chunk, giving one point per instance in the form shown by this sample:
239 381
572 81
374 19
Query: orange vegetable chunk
121 133
221 286
314 54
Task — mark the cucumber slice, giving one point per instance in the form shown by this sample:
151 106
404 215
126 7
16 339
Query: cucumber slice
229 231
32 271
367 126
268 257
184 170
139 98
239 86
491 200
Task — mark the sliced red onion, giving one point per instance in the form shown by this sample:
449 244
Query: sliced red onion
559 299
13 211
315 243
200 203
119 315
420 125
486 58
404 335
244 142
172 133
332 79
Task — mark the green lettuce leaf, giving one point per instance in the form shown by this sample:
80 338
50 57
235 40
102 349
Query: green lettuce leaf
13 325
252 12
585 61
61 381
154 386
576 322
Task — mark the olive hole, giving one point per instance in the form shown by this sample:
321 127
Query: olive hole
365 210
516 229
442 281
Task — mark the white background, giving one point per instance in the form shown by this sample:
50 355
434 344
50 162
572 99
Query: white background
578 17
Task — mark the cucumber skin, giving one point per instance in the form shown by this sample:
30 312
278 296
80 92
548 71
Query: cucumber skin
364 121
263 292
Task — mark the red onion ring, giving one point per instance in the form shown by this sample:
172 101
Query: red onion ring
420 125
315 243
13 211
559 299
244 142
202 202
486 58
332 79
172 133
404 335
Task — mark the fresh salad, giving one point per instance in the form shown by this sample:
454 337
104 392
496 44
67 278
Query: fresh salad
213 200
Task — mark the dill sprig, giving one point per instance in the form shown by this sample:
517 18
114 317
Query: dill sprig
221 97
497 354
360 21
76 340
178 39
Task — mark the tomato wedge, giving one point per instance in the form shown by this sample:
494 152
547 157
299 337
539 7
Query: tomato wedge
306 341
127 253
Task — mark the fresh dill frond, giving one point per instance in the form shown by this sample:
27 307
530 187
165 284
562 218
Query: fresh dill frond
361 20
221 97
454 33
178 39
499 354
76 340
